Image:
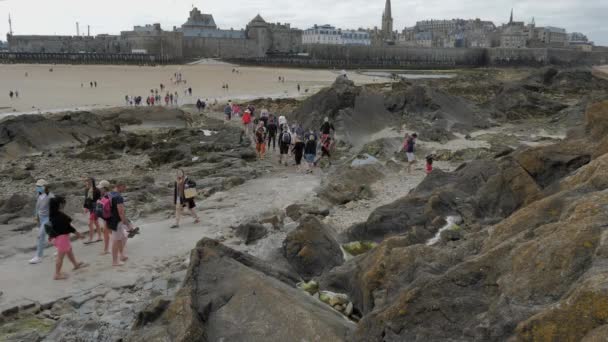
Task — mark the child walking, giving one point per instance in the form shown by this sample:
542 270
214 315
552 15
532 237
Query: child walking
59 229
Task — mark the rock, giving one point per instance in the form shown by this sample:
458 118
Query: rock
232 296
152 312
311 249
251 232
358 247
296 211
349 184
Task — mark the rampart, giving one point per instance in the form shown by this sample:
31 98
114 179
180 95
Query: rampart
83 58
353 57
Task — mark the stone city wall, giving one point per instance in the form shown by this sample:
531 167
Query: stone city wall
352 57
199 47
64 44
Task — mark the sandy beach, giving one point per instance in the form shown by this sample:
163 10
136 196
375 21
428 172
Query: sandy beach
61 89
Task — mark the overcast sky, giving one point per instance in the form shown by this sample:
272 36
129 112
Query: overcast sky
112 16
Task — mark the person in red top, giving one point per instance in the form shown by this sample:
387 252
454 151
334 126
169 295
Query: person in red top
247 121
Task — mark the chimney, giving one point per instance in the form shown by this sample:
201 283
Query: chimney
88 30
77 29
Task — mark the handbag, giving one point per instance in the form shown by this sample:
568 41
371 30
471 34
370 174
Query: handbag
190 193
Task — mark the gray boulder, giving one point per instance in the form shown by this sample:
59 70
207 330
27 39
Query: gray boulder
311 249
231 296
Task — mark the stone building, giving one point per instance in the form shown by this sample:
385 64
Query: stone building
198 37
327 34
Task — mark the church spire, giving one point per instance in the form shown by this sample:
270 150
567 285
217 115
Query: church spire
387 22
387 10
511 19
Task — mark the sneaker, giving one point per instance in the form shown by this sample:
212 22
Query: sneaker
35 260
174 226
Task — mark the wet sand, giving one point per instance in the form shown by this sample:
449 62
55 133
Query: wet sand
61 89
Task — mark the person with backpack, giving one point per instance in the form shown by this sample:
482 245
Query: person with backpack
326 129
310 149
272 133
59 227
184 191
91 196
284 144
41 217
112 209
260 140
264 116
103 210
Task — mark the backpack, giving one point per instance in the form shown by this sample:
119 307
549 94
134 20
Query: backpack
103 208
286 138
260 134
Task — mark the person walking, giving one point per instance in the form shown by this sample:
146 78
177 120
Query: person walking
260 140
409 147
59 229
228 112
272 133
10 94
326 129
184 191
284 144
298 151
91 196
264 116
310 149
42 217
325 147
116 221
247 122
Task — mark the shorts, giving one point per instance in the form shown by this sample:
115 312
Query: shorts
284 148
260 147
186 202
120 234
62 243
410 157
92 216
310 158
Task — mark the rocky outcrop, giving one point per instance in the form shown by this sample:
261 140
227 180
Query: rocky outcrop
349 184
487 190
311 249
326 103
232 296
537 274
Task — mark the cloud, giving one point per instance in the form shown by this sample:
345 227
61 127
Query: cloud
112 16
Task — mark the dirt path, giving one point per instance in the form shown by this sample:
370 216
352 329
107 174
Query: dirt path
23 283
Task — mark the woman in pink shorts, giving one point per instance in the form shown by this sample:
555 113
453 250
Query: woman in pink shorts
59 229
91 195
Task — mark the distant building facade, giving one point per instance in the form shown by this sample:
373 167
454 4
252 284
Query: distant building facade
327 34
199 36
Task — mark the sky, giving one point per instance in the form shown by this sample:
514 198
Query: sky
112 16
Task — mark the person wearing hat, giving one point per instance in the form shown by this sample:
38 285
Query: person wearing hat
42 217
247 122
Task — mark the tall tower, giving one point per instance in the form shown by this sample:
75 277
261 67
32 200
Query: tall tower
387 22
511 19
10 25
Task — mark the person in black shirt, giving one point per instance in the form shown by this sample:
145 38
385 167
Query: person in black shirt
298 150
272 133
326 129
59 229
91 195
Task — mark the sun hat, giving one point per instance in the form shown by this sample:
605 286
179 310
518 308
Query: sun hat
42 182
104 184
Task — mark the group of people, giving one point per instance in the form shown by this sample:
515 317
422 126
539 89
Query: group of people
14 93
103 203
268 130
92 84
107 217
